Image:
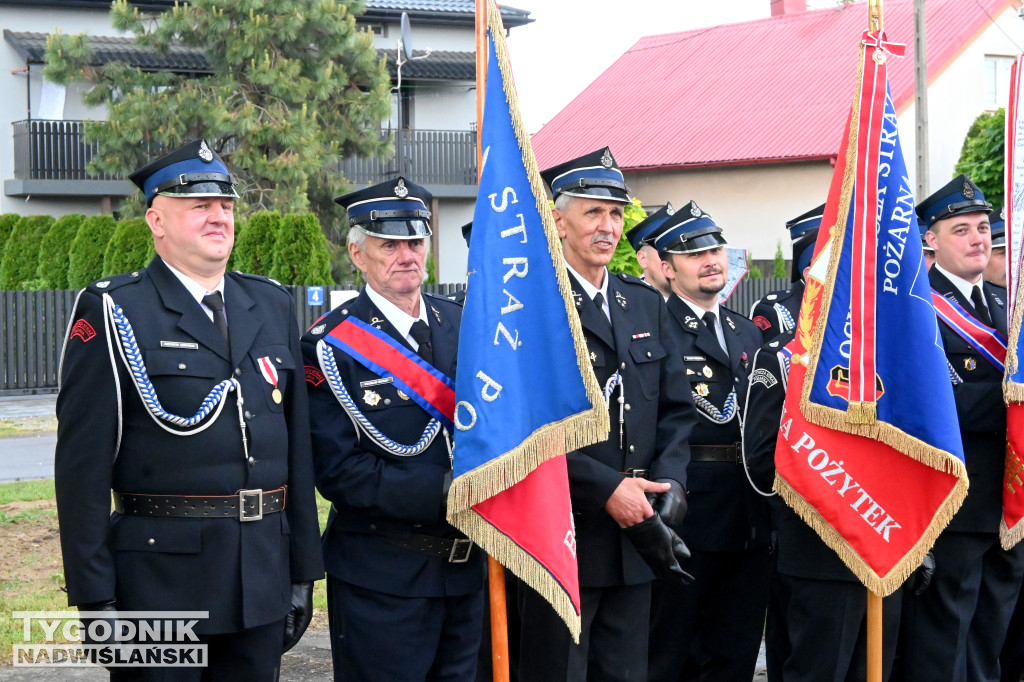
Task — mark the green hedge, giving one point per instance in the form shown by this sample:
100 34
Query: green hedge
301 256
86 262
21 253
55 250
130 247
256 242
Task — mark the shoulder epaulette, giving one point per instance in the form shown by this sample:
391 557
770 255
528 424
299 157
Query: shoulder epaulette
102 286
327 321
259 278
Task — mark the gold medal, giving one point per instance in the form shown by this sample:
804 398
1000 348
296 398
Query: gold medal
706 371
401 395
702 390
371 398
970 364
276 395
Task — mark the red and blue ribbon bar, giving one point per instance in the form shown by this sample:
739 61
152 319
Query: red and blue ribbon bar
385 356
989 342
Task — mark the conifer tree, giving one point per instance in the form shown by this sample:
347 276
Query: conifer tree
301 256
85 263
55 250
21 253
295 87
7 223
129 248
255 243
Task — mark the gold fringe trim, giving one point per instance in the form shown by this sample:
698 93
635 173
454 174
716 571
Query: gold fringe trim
516 559
898 574
575 431
1008 537
1012 391
857 419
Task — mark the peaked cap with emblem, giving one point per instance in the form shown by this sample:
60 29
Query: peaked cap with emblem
997 219
804 223
640 233
593 176
688 231
396 209
958 196
194 170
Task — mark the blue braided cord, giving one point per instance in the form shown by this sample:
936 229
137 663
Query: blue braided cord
713 413
609 386
953 376
330 368
786 318
786 358
137 366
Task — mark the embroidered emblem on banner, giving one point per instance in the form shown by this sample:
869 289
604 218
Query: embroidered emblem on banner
314 376
839 383
83 330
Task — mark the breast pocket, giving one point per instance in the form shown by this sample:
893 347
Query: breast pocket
182 378
647 355
275 365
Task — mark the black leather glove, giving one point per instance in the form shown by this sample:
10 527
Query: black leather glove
921 578
661 548
105 635
671 504
297 620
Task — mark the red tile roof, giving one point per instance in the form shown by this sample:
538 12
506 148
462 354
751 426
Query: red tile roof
762 91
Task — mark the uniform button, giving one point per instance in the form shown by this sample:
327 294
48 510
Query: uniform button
632 448
278 360
252 461
151 542
648 353
622 366
248 414
238 371
181 365
628 408
373 526
387 401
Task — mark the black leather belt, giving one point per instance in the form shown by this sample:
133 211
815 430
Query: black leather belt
245 505
634 473
455 550
716 453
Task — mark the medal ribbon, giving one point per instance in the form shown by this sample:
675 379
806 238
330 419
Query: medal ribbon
989 342
268 369
386 357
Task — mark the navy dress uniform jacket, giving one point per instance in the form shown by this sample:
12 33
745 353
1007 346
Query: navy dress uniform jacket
376 494
766 312
980 410
107 439
658 414
725 514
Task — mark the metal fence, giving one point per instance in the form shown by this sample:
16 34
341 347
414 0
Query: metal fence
33 325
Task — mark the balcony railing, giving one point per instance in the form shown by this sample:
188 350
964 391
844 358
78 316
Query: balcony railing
58 150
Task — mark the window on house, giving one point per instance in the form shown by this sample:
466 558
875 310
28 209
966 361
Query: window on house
997 81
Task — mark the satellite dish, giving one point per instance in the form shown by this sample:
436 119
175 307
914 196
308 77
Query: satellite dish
406 36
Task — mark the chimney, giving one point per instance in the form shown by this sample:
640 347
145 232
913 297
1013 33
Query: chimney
788 7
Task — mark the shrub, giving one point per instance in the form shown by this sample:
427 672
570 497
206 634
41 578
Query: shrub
86 261
301 256
130 247
7 223
21 253
256 242
54 251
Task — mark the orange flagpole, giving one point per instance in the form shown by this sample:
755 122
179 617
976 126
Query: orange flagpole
495 571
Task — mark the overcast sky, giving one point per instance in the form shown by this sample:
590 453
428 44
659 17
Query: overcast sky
571 42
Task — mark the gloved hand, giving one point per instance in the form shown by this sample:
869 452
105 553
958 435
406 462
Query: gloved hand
671 504
921 578
297 620
661 548
103 635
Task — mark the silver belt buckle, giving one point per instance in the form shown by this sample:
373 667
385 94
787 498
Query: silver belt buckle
461 549
242 494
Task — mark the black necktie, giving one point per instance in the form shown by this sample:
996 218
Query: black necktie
599 302
420 333
709 320
215 303
978 299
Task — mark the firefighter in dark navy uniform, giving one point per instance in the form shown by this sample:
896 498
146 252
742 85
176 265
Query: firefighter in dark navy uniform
621 535
954 630
180 392
777 311
405 588
646 255
711 630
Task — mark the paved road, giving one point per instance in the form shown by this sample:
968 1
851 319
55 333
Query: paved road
25 457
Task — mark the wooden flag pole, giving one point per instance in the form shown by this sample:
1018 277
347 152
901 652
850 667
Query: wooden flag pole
874 611
495 571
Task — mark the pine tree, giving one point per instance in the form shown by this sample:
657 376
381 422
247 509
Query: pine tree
255 243
294 88
21 254
86 261
301 256
982 156
129 248
55 250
